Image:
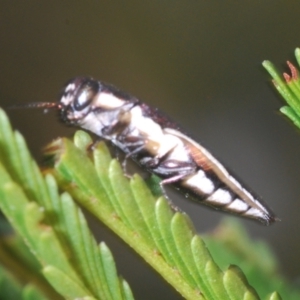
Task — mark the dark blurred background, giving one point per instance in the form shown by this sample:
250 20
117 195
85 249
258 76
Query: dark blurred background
199 61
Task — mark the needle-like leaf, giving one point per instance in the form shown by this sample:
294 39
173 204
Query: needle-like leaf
164 238
288 86
56 232
53 228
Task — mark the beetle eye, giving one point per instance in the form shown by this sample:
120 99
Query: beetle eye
86 94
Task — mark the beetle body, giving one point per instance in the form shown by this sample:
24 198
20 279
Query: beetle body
158 145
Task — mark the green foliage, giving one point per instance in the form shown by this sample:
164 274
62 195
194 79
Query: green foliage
289 88
55 230
147 224
21 264
230 244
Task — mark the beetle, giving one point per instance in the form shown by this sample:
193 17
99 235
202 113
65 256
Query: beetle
157 144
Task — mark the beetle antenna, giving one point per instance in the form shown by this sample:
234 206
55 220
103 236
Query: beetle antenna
45 105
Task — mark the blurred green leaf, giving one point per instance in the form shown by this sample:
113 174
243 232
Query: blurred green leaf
231 245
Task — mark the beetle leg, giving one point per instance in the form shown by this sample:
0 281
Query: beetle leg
139 146
173 179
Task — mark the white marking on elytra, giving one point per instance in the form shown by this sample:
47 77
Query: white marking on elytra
161 141
220 171
200 182
254 212
238 205
158 142
144 125
220 196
